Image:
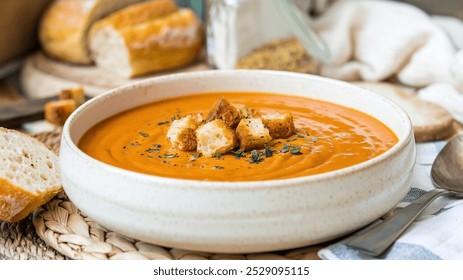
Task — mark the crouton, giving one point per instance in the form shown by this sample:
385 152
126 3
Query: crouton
244 111
199 119
182 133
225 111
215 137
252 134
280 125
57 112
76 94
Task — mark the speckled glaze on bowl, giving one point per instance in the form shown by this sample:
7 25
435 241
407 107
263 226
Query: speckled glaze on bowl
245 216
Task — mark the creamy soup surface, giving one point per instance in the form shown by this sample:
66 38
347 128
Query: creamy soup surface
328 137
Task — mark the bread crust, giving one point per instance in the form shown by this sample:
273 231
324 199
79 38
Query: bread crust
17 203
225 111
64 26
162 38
136 14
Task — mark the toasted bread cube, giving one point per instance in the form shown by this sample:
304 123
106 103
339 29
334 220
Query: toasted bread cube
215 137
225 111
252 134
57 112
244 111
76 94
199 119
182 133
280 125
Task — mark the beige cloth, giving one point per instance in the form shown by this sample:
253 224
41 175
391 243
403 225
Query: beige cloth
374 40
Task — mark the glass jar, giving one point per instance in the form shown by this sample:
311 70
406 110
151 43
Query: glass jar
237 27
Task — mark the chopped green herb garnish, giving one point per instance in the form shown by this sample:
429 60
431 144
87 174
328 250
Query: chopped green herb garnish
135 144
268 152
163 122
285 149
255 157
296 150
217 167
218 155
194 157
315 139
170 155
157 146
152 150
239 154
144 134
300 136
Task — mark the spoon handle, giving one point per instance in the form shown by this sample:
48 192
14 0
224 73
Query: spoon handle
376 240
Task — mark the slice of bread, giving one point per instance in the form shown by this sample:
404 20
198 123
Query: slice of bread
148 37
63 31
29 175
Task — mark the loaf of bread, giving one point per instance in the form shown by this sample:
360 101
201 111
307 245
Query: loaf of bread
63 31
147 37
29 175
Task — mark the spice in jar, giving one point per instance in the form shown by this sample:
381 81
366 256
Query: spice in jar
283 54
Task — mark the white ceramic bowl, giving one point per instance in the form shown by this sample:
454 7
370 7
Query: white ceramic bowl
244 216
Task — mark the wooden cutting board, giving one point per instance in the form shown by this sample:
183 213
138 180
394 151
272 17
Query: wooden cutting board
43 77
430 121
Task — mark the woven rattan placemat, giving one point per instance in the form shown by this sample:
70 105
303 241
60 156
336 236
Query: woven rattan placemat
58 230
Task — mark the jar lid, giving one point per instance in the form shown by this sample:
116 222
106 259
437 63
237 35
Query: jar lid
300 25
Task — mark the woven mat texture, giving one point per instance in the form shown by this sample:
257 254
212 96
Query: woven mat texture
58 230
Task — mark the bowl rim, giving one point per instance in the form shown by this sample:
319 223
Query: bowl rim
234 185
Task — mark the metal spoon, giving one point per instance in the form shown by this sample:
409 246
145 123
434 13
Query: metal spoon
447 176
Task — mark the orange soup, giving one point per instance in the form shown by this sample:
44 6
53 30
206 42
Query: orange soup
328 137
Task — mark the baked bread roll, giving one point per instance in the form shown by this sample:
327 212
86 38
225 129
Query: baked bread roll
147 37
29 175
64 27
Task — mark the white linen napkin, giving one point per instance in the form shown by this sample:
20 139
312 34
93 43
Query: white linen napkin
375 40
438 232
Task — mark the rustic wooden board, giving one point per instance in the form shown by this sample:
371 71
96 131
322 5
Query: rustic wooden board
43 76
